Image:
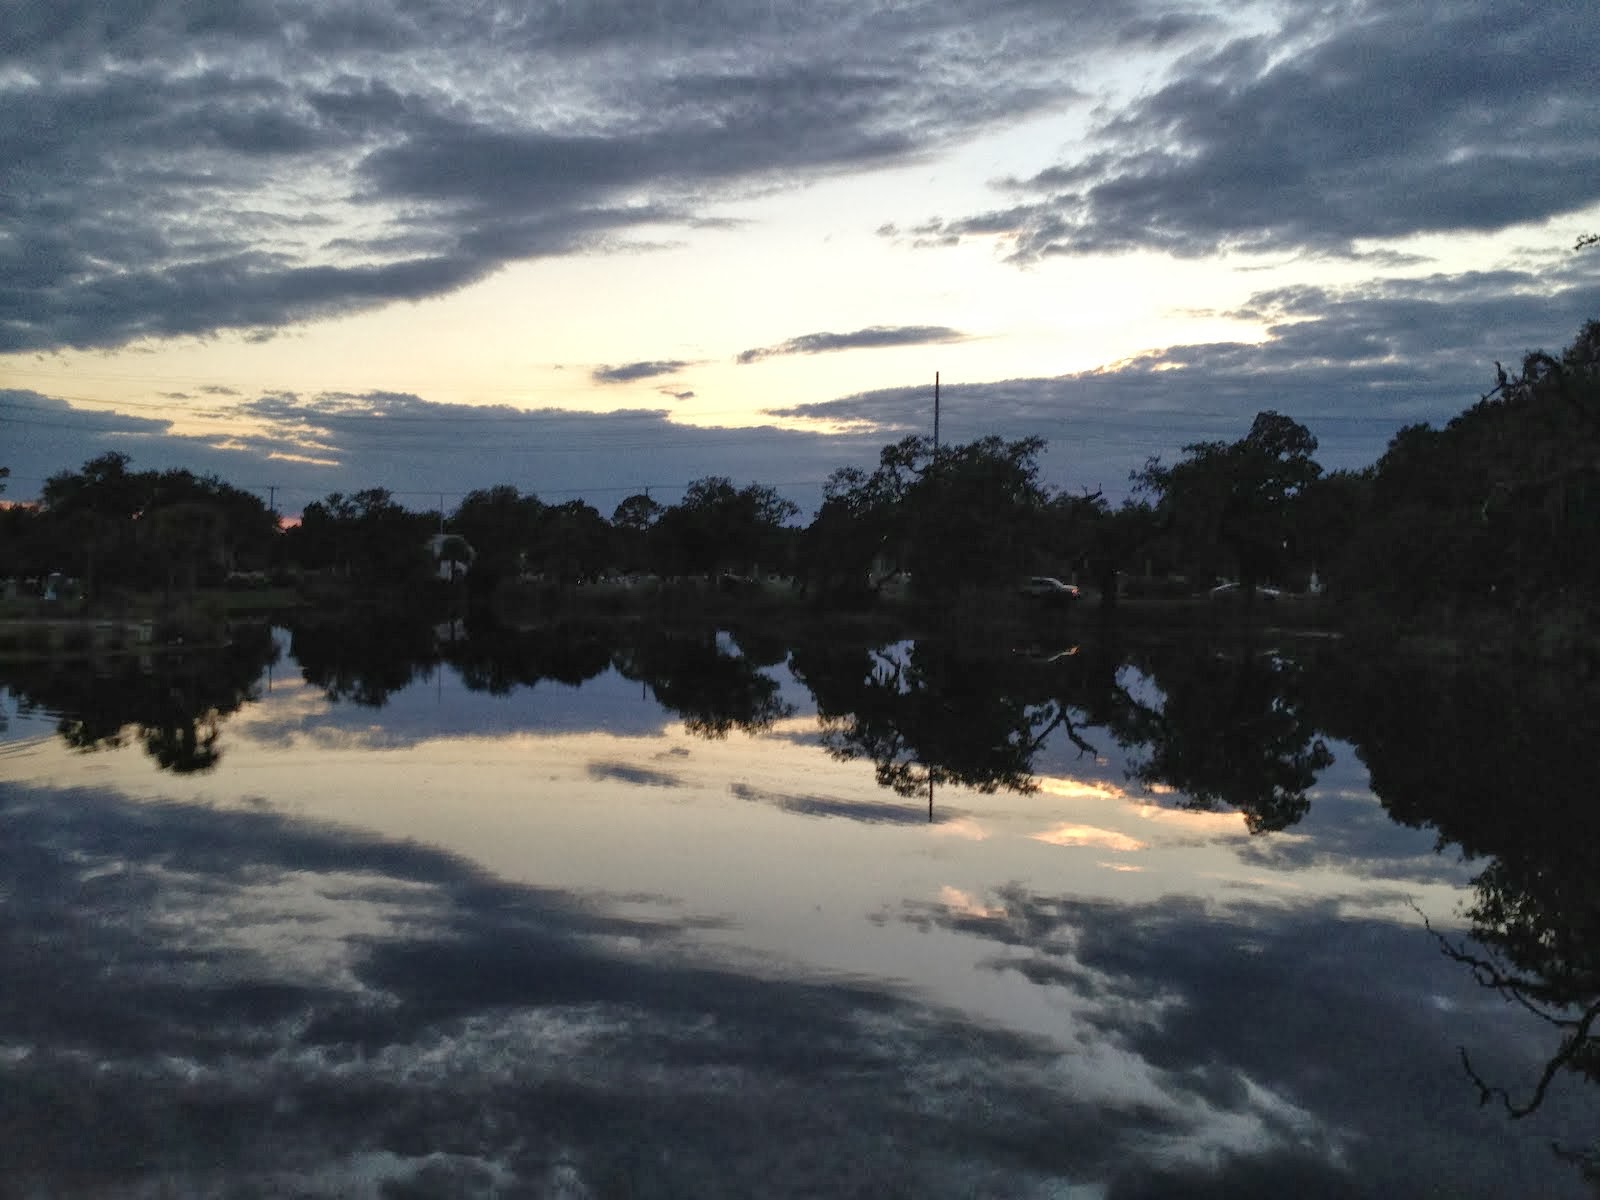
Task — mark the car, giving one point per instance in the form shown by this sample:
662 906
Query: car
1049 589
1224 591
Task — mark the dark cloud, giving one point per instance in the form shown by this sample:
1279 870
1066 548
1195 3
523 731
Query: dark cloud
36 424
629 372
186 167
1353 122
873 337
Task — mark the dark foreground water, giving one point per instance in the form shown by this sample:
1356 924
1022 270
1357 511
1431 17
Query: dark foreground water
371 912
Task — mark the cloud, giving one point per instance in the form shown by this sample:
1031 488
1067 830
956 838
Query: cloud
308 446
1353 363
180 169
1347 124
629 372
873 337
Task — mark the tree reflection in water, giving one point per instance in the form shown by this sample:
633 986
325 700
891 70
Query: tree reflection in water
713 690
173 702
1231 728
926 713
363 661
1499 758
691 673
1226 728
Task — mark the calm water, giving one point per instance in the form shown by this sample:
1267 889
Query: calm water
367 912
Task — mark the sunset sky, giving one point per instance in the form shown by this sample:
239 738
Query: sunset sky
592 247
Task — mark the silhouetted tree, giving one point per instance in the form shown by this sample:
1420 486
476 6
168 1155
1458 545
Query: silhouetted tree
1500 509
1232 500
718 527
572 542
631 522
367 536
106 520
967 517
501 524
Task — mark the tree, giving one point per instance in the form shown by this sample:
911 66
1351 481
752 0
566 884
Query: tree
1500 508
573 542
638 513
1328 517
500 523
92 512
963 517
1233 500
184 537
975 516
631 523
107 518
1102 540
718 527
367 536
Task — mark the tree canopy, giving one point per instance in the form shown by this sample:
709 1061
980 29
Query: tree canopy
1232 501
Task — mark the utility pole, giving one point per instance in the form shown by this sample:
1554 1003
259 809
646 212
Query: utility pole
272 498
936 416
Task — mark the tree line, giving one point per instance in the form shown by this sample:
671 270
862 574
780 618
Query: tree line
1499 509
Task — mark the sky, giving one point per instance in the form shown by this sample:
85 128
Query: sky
594 248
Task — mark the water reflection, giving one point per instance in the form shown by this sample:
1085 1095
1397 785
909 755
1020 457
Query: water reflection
429 1030
363 661
172 702
1499 758
714 689
1231 727
928 713
1285 1013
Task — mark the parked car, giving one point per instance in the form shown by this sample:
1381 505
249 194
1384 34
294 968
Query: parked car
1224 591
1048 589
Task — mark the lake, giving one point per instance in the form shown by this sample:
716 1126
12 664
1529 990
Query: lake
392 911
